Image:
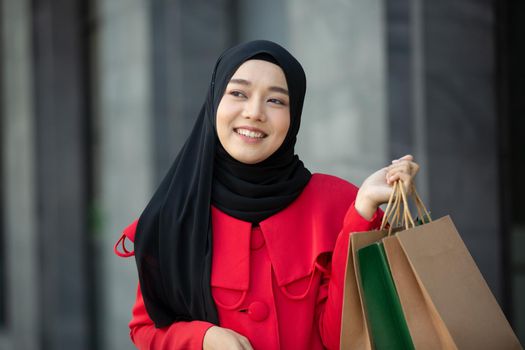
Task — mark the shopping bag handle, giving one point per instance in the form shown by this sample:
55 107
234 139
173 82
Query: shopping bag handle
397 203
398 212
392 208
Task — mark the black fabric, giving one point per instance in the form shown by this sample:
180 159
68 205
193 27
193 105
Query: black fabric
173 244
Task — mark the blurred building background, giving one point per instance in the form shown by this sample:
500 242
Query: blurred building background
98 96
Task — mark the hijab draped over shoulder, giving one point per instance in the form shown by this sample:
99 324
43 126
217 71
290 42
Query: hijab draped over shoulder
173 242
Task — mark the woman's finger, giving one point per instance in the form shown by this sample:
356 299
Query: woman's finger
406 166
406 157
402 166
415 168
406 169
404 177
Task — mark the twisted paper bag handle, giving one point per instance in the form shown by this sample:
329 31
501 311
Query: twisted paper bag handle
397 211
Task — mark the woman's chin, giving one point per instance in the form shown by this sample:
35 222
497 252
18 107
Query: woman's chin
249 158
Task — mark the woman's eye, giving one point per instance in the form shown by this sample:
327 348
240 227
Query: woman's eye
237 93
277 101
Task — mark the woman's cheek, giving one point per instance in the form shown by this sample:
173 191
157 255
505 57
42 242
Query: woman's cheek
283 124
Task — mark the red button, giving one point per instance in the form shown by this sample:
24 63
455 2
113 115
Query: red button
258 311
257 239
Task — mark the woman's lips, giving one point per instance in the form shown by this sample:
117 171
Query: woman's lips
249 133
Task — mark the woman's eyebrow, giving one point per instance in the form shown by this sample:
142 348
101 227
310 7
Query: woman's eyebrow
279 89
247 83
240 81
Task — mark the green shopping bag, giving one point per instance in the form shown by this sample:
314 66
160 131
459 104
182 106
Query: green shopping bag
385 316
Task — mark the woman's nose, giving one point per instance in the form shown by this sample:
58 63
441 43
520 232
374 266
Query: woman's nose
254 109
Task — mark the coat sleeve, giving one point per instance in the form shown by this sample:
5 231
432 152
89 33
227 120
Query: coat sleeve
143 333
330 299
179 335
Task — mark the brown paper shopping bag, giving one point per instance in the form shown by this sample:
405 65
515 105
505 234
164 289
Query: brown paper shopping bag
446 301
354 329
355 332
427 329
455 287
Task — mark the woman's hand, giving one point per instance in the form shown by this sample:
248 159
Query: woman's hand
218 338
376 189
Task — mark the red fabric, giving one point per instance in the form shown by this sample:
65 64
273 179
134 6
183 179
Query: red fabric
128 233
180 335
280 284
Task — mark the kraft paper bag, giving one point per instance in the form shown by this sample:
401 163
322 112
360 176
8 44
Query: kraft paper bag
427 329
454 289
354 328
355 333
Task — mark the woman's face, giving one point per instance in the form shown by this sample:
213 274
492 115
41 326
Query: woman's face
253 116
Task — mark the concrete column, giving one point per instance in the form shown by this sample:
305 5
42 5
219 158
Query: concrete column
62 170
342 49
122 74
262 20
19 201
462 126
187 38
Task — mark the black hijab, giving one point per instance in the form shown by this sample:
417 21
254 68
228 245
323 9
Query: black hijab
173 244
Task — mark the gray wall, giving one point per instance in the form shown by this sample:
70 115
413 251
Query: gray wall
342 48
18 147
62 170
123 177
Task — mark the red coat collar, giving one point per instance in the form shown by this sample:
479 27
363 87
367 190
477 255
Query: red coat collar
294 237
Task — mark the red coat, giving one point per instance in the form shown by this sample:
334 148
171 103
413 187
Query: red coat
275 284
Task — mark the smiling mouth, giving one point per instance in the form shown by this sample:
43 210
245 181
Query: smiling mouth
250 133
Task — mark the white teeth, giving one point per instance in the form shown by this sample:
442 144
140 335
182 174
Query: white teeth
249 133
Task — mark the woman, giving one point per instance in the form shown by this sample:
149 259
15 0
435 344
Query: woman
240 246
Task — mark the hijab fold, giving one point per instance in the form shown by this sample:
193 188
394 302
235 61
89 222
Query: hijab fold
173 243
